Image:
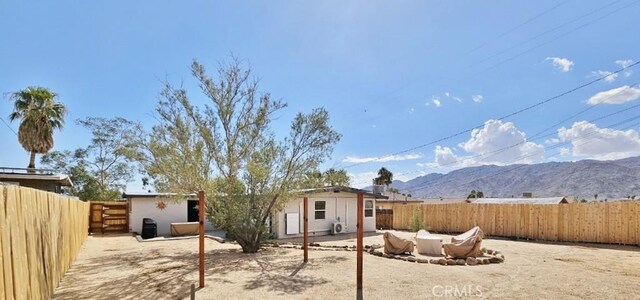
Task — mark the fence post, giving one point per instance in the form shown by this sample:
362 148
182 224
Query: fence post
201 237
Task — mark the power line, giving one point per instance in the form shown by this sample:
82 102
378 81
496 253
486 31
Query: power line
549 41
519 26
550 31
508 115
406 84
6 124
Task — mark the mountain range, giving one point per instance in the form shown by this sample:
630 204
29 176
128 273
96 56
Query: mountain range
583 179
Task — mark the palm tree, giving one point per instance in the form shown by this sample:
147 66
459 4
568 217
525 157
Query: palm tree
39 115
385 177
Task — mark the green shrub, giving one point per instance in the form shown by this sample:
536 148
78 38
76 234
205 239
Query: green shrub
417 221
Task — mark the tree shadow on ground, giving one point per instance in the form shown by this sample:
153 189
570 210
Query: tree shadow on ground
153 274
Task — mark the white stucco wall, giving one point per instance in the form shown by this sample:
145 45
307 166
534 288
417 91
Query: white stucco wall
342 206
174 212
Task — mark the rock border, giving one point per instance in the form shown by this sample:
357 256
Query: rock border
492 256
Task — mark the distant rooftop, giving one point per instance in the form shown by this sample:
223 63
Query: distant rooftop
8 174
153 195
337 189
549 200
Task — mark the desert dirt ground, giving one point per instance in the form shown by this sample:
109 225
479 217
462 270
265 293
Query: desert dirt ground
119 267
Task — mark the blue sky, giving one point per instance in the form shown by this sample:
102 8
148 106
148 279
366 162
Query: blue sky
394 75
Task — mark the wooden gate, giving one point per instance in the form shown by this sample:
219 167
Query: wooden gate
384 218
109 217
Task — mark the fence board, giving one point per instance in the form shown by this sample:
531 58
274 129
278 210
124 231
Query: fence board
612 222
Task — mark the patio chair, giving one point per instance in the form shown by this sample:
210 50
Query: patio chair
471 232
396 245
465 245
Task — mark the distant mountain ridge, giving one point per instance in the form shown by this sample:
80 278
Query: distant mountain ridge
582 179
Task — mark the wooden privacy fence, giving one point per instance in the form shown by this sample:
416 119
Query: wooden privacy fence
384 218
109 217
40 235
604 222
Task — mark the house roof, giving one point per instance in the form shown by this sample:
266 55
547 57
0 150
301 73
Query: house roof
15 174
549 200
153 195
337 189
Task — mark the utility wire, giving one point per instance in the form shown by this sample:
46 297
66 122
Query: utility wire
549 31
508 115
518 26
406 84
6 124
549 41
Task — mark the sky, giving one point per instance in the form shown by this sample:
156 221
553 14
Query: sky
417 87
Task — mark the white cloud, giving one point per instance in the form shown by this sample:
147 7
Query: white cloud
623 63
610 76
386 158
360 180
565 151
496 135
449 95
496 143
562 64
411 110
552 141
477 98
590 141
436 101
619 95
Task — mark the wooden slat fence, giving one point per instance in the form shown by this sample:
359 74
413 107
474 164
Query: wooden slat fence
602 222
384 218
40 235
109 217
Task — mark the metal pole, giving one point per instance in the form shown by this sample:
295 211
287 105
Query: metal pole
359 244
201 238
306 229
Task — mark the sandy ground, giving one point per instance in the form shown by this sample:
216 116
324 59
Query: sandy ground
119 267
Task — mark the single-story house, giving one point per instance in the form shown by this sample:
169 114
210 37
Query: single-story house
163 208
332 210
41 179
549 200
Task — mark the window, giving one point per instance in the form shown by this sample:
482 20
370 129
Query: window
368 208
320 209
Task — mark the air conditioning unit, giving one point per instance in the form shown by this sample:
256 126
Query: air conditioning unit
337 227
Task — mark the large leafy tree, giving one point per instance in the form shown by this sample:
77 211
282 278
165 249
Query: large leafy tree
39 116
335 177
330 177
101 170
226 147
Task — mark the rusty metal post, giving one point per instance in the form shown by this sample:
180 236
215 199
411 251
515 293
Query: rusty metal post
201 237
359 243
306 229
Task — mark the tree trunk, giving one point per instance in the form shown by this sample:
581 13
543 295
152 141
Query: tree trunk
32 161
